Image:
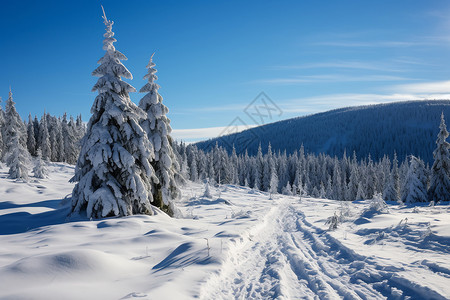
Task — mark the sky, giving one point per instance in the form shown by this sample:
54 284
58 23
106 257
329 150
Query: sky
222 64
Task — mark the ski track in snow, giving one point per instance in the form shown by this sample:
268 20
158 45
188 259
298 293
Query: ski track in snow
285 257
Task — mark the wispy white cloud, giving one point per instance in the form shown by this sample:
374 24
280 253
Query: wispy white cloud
372 44
435 87
198 134
332 101
410 61
332 78
217 108
341 64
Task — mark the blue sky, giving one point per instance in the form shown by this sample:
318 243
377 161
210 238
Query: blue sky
214 58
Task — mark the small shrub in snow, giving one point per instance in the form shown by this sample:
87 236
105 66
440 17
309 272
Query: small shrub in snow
240 214
333 221
427 232
207 193
287 190
344 211
377 204
403 222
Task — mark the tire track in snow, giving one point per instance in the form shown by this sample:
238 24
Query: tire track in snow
285 257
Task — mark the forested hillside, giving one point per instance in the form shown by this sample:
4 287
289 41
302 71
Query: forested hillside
403 127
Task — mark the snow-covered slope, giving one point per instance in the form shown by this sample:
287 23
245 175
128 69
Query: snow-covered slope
402 127
237 244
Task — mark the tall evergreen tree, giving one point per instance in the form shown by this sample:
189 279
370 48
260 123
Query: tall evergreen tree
13 125
44 139
337 182
36 130
268 165
17 156
273 185
60 150
440 171
258 168
352 187
51 123
40 168
2 129
113 174
71 147
31 142
415 187
17 159
361 194
193 168
391 189
157 126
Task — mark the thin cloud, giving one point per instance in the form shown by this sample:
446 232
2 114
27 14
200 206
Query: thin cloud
436 87
218 108
411 61
332 101
357 65
374 44
197 134
332 78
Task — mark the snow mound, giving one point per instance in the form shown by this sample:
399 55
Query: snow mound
87 264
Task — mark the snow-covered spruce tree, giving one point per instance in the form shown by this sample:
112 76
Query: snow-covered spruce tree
113 173
391 189
273 184
2 129
258 168
31 142
13 125
268 166
40 168
59 140
389 192
44 139
193 168
71 147
157 126
360 194
352 187
17 156
17 159
415 187
36 130
322 192
440 171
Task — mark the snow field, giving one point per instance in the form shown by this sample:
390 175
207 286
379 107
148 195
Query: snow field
236 245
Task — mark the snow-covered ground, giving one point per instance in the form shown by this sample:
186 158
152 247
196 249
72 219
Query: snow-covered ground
238 244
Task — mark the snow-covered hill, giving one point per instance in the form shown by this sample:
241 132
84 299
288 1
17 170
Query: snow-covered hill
237 244
403 127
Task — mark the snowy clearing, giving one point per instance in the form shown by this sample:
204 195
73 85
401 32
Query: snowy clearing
236 245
